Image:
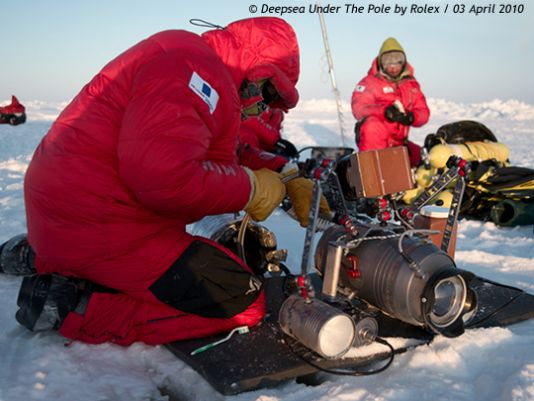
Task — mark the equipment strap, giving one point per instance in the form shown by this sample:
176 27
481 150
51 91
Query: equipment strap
310 230
438 185
454 210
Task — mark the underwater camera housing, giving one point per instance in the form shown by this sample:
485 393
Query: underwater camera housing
392 266
372 265
418 284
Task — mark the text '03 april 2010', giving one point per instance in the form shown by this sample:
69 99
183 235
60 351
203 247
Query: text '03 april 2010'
392 8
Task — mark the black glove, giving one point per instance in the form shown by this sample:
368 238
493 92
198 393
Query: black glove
285 148
408 118
395 115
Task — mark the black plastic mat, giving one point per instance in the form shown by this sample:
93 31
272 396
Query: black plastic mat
262 358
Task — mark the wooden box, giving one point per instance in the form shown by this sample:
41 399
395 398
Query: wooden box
380 172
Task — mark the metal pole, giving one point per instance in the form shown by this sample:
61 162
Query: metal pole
332 77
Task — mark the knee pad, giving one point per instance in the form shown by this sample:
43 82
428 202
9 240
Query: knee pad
207 281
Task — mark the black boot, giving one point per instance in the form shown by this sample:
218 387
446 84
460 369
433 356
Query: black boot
45 300
17 257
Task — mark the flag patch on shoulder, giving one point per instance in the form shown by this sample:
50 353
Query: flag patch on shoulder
360 88
204 90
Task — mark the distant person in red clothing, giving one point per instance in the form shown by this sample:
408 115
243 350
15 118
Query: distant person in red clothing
388 101
148 146
14 113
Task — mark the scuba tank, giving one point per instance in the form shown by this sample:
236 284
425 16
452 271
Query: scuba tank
470 151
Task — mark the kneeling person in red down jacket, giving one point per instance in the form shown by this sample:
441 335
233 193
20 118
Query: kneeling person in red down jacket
388 101
255 136
264 133
148 146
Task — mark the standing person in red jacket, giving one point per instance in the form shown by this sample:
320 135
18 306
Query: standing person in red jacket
388 101
148 146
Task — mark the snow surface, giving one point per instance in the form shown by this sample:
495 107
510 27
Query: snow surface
483 364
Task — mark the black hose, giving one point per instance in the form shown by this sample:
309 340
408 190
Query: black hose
379 340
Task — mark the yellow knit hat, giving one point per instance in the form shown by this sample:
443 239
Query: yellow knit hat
390 45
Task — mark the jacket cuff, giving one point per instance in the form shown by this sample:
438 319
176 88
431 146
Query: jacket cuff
252 186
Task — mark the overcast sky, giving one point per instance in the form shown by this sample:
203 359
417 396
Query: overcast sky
52 48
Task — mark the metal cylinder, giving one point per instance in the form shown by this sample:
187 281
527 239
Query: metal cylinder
366 330
420 286
317 325
388 281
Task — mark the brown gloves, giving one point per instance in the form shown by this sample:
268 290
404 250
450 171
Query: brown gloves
269 190
300 191
267 193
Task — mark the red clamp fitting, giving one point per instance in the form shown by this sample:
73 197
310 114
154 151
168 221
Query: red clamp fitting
350 228
353 272
326 163
385 215
381 203
463 167
345 221
301 284
407 214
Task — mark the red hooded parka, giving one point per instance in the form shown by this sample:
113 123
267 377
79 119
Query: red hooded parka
148 146
373 94
13 113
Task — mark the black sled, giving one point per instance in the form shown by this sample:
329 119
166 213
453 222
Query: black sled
391 280
266 357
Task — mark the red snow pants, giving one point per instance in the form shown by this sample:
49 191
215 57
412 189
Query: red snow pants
209 283
376 133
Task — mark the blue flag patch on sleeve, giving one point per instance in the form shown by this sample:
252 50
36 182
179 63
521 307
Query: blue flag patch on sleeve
204 90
